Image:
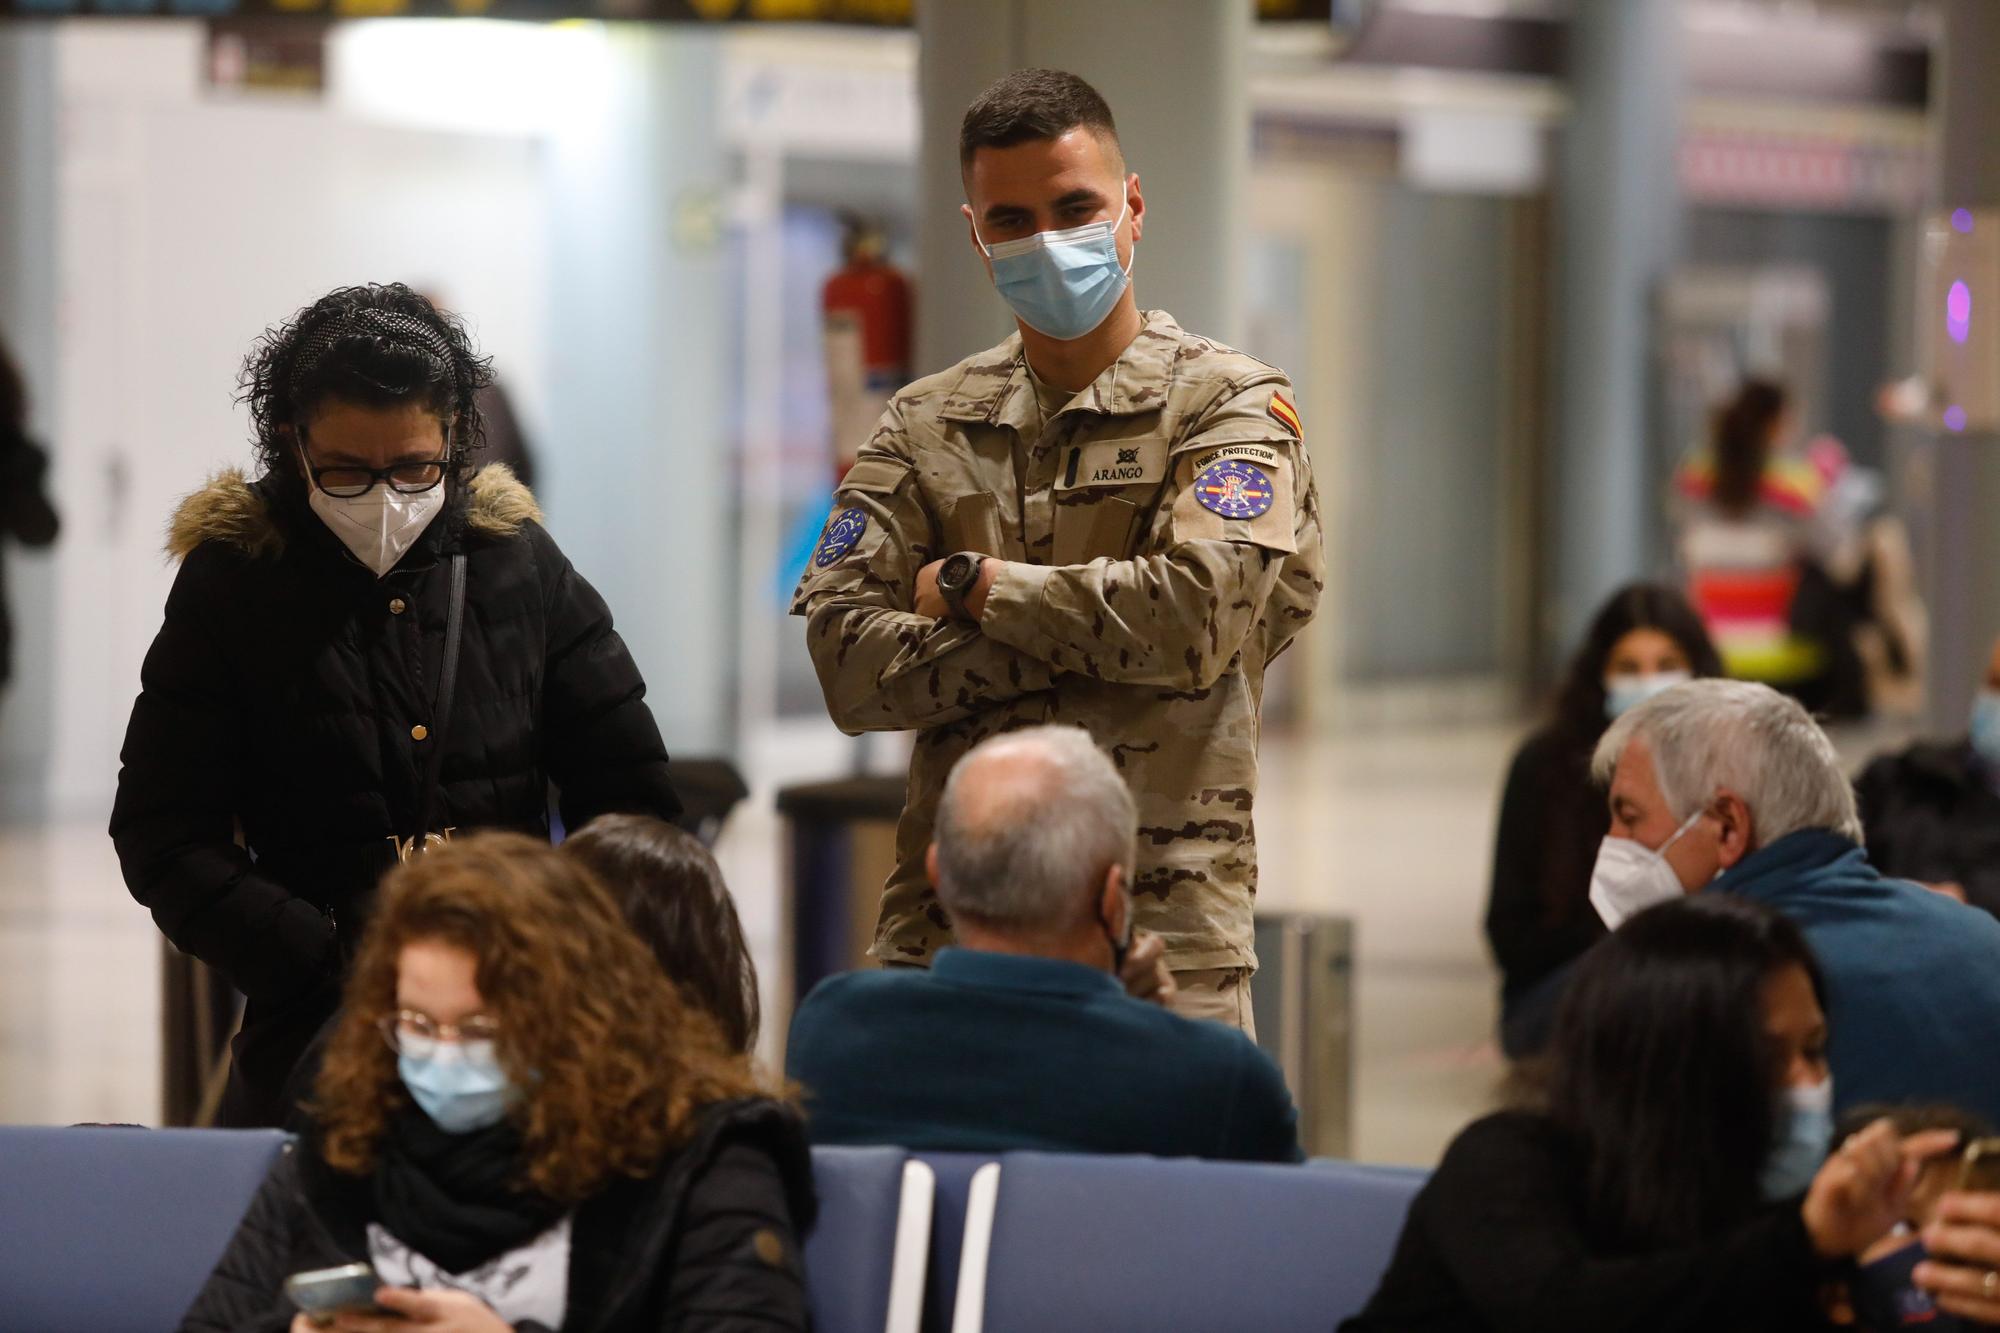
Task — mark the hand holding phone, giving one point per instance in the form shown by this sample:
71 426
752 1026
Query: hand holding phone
1979 1171
325 1293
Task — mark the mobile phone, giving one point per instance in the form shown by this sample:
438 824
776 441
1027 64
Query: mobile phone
326 1292
1980 1168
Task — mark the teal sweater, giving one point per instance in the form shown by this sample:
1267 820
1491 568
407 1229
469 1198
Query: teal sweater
1912 977
987 1052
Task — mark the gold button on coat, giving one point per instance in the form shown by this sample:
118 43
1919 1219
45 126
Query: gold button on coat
419 731
397 606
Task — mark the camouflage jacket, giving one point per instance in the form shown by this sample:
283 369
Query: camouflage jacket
1162 542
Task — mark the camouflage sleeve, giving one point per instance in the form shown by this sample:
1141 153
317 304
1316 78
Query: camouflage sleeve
1239 509
881 666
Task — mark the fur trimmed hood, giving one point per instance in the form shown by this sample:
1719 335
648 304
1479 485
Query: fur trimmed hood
232 511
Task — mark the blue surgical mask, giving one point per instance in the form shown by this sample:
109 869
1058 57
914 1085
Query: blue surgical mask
1062 283
1624 693
1805 1133
461 1085
1986 727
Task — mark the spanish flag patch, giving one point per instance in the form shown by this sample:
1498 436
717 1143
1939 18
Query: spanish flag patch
1282 409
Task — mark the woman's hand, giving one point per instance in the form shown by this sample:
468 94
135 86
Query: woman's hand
437 1311
1864 1188
1964 1278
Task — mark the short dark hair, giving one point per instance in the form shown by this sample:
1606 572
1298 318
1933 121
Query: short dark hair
1661 1074
1030 105
376 345
673 894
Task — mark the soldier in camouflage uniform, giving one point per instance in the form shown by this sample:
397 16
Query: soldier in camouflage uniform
1150 540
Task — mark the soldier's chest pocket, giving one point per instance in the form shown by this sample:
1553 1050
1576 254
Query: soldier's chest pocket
1105 489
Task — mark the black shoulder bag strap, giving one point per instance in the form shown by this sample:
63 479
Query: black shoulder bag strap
454 628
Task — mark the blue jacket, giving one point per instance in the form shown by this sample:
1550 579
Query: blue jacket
1912 977
986 1052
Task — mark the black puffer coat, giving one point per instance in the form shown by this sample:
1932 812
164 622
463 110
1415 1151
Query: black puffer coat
709 1243
277 748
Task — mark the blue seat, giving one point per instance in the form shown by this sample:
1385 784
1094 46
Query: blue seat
953 1172
1057 1243
115 1230
866 1256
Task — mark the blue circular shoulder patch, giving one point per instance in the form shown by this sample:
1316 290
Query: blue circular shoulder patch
1234 489
843 533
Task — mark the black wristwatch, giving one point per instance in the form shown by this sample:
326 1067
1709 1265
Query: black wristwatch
956 577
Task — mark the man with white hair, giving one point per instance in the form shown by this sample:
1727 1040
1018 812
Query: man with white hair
1731 787
1023 1036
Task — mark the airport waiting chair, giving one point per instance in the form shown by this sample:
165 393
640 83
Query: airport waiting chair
867 1254
1057 1243
954 1173
115 1230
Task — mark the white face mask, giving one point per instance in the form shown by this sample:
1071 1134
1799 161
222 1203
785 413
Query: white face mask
1630 877
380 525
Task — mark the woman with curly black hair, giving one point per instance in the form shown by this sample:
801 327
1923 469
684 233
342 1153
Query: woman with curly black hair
371 645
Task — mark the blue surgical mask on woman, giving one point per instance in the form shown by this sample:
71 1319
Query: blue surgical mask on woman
460 1084
1986 727
1805 1133
1626 692
1062 283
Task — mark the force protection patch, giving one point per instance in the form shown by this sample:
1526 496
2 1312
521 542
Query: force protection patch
843 531
1234 489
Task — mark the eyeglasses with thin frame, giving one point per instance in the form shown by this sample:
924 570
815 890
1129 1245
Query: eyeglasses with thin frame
410 1032
347 482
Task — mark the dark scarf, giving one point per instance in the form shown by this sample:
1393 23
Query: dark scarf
457 1199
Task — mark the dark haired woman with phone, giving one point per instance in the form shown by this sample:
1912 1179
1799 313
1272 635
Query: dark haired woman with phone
1675 1175
521 1124
370 645
1646 638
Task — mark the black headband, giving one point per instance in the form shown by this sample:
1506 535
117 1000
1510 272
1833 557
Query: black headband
390 325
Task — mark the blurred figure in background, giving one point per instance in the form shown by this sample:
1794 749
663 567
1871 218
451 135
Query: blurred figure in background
1932 812
25 512
297 732
673 894
1728 787
1552 816
1770 542
1675 1174
521 1125
506 442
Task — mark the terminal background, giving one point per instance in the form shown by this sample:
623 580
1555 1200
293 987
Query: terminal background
636 222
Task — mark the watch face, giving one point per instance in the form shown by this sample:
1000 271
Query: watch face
955 571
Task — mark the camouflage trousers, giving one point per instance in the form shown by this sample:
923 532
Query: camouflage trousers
1218 994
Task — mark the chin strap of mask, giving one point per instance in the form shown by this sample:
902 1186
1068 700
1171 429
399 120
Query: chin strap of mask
1119 948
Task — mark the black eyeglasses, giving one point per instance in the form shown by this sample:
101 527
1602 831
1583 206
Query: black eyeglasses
347 482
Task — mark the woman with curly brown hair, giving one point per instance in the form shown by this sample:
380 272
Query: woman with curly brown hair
522 1124
371 644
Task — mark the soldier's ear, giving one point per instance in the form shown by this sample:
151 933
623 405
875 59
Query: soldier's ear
930 864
